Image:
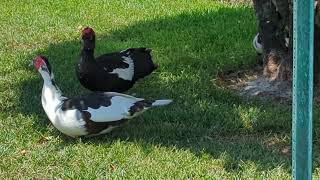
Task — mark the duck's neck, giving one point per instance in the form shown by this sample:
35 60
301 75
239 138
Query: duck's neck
87 55
51 97
86 60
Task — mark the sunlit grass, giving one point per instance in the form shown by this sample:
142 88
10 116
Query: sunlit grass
208 132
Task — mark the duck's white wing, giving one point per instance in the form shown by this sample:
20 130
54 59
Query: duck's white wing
125 73
118 109
106 107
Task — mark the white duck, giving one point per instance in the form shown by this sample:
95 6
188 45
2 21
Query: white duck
90 114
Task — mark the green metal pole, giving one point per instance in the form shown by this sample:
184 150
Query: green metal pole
303 28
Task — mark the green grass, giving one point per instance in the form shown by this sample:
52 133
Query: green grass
208 132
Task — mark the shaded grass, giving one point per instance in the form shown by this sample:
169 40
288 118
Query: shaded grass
209 132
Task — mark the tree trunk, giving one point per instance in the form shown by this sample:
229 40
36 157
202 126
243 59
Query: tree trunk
274 20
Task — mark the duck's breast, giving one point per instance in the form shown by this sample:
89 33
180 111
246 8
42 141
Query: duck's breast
70 122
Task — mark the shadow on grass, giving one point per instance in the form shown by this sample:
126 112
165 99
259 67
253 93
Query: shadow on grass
204 118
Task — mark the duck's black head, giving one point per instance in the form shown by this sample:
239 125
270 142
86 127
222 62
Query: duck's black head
88 38
42 63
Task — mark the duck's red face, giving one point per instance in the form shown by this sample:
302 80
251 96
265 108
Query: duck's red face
88 38
38 62
87 31
42 62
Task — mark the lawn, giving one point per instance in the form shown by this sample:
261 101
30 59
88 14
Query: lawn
208 132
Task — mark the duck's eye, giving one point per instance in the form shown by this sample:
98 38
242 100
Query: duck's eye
43 68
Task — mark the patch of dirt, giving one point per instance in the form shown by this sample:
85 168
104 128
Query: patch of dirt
278 145
251 83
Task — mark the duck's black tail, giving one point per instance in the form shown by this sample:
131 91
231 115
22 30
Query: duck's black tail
143 105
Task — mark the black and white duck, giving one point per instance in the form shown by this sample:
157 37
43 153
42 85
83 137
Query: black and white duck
116 71
257 43
91 114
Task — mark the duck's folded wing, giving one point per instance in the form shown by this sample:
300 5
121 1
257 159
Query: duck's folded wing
102 107
120 108
111 61
116 63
